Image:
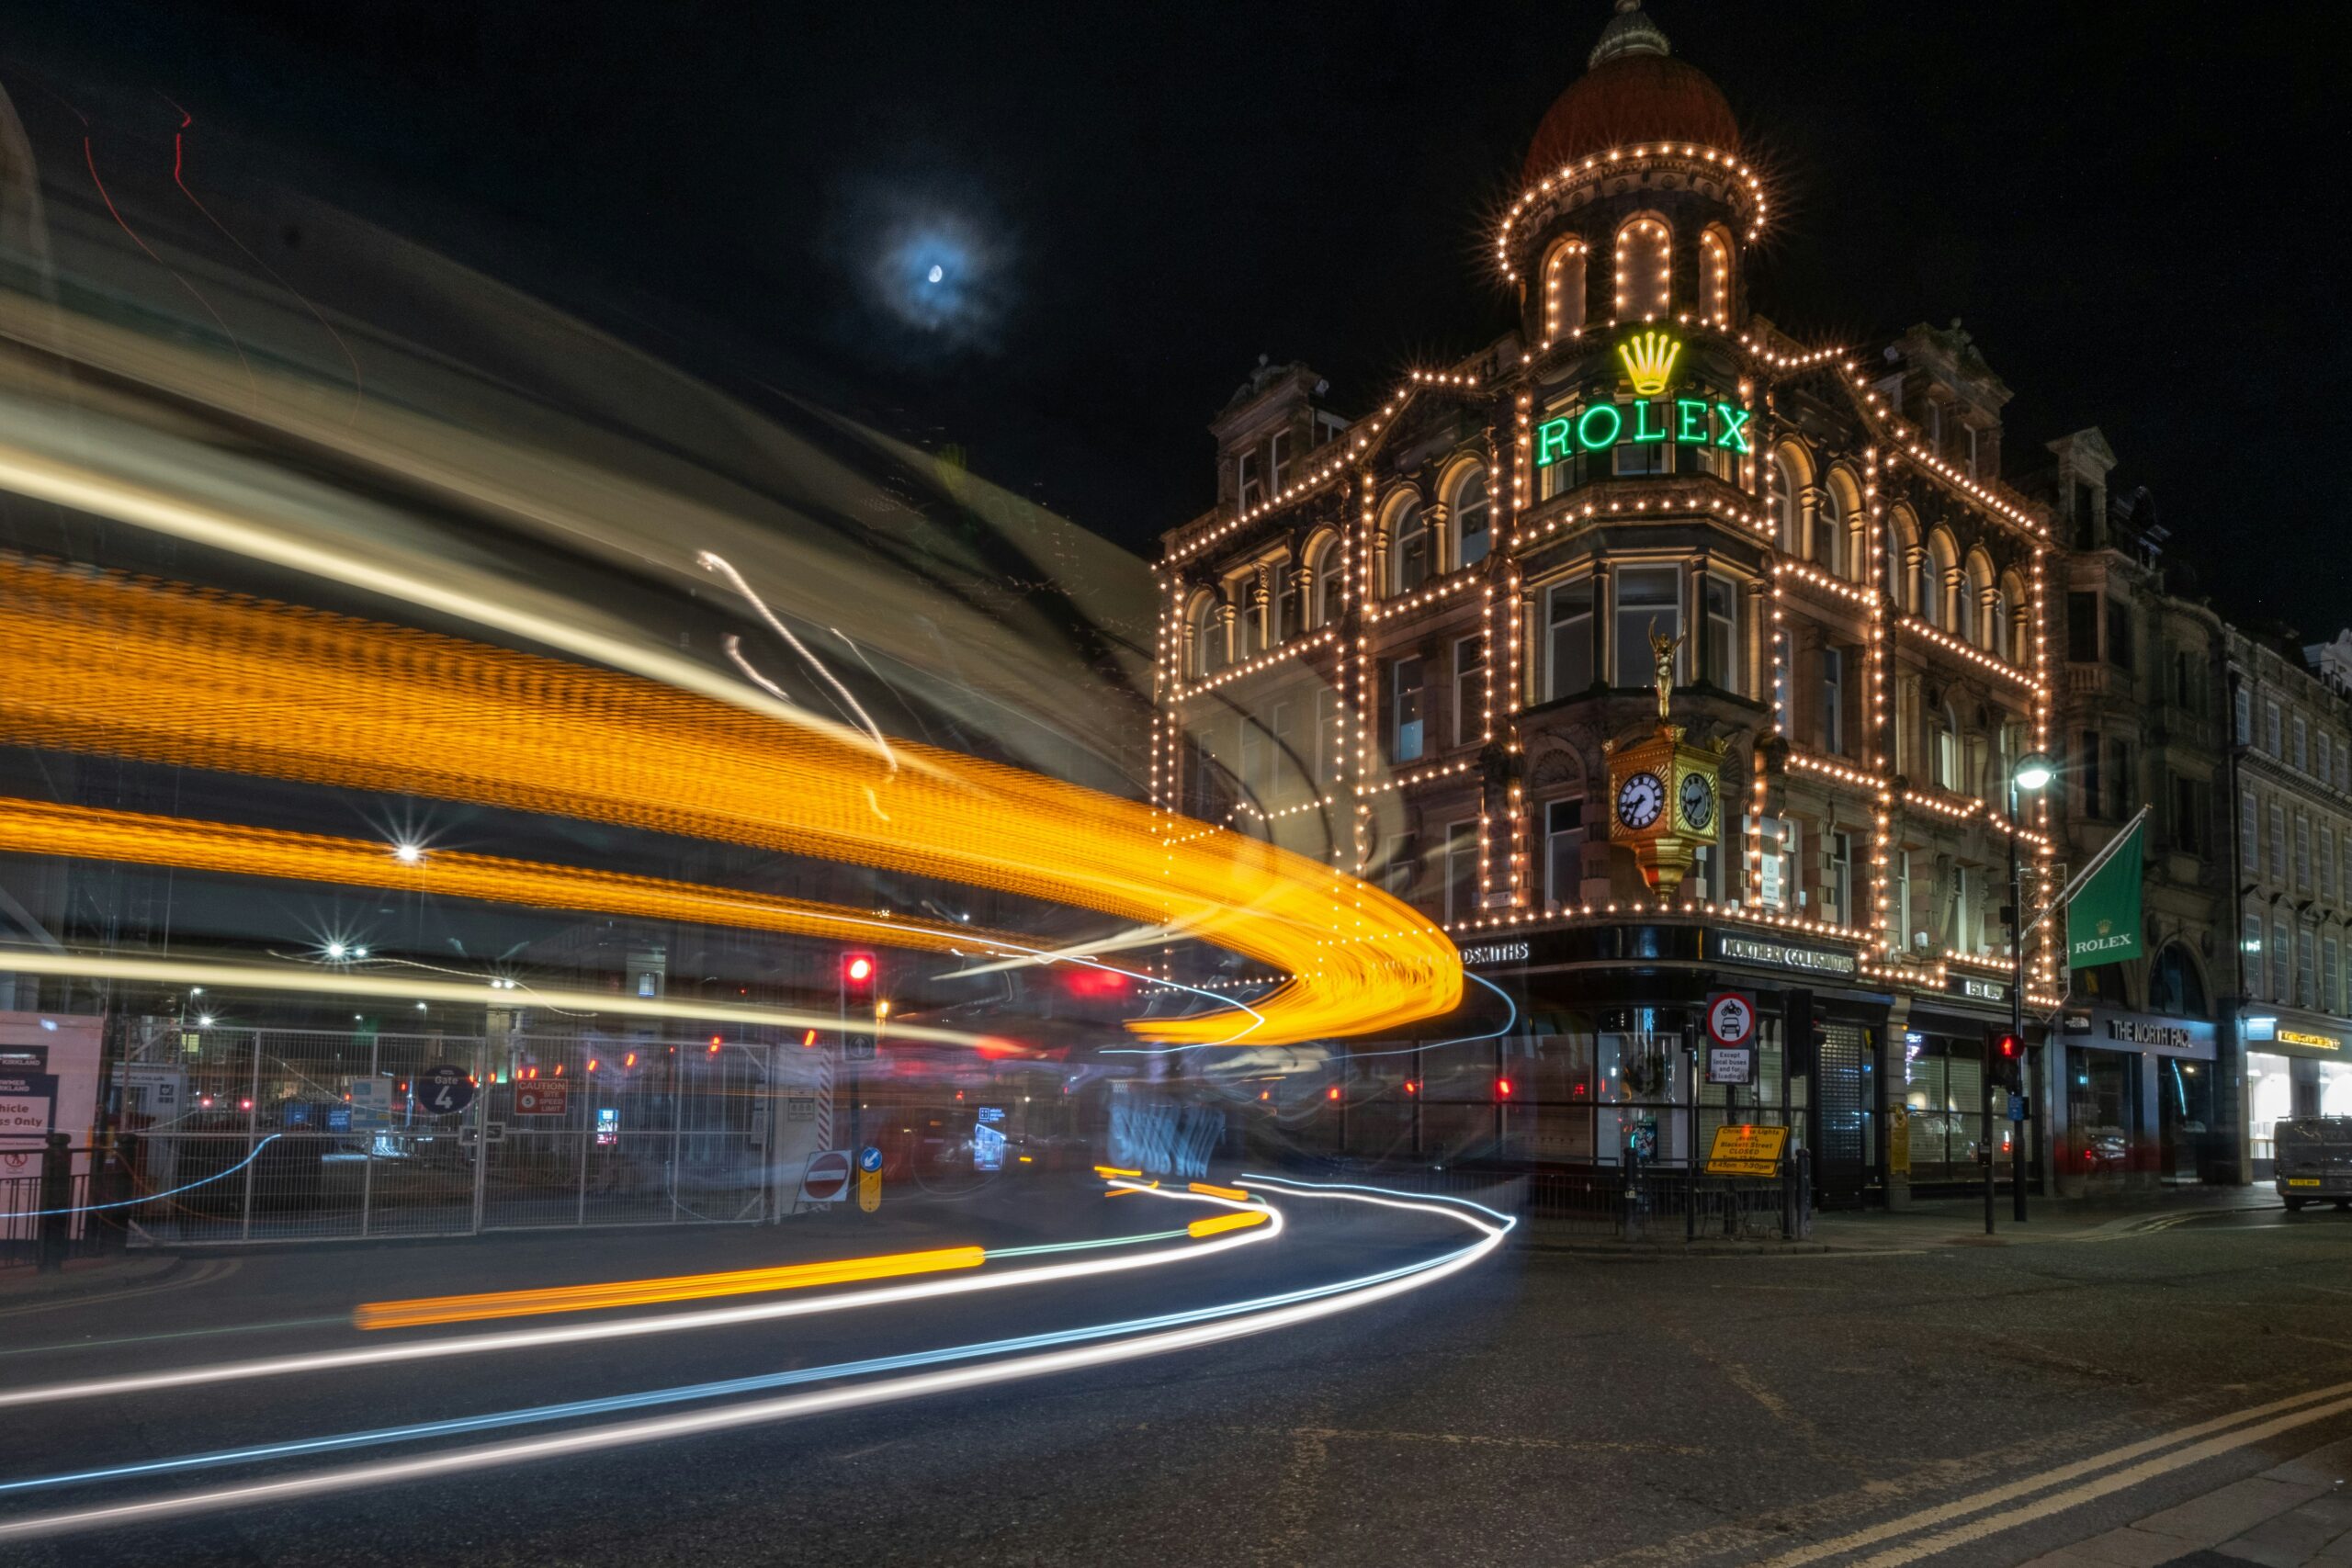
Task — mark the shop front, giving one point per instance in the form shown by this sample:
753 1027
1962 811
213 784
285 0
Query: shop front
2297 1064
2133 1103
1599 1059
1944 1127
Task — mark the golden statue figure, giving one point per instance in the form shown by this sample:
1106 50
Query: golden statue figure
1662 650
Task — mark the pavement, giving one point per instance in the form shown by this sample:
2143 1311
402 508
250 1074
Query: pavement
2297 1515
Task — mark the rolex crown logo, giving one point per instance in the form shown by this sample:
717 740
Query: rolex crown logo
1649 361
2105 927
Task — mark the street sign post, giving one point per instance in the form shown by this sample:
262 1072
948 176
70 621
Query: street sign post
444 1090
1731 1018
826 1181
1746 1151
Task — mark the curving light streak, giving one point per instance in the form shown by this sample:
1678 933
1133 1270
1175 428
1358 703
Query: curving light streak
420 1311
686 1392
34 826
668 1322
40 827
148 1197
326 982
1205 1326
170 675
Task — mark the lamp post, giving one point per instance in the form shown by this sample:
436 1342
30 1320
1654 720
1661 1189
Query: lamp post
2031 773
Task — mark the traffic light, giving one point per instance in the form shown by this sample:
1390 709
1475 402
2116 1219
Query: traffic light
2005 1060
1502 1089
859 972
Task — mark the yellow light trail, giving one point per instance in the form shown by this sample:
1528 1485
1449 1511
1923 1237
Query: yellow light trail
225 976
1234 1192
202 679
421 1311
41 828
1217 1222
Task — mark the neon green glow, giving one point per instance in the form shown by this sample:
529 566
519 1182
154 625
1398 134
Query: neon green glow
1645 426
1690 422
1584 427
1551 442
1734 422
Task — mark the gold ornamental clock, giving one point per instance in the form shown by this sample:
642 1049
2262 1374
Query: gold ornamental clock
1665 796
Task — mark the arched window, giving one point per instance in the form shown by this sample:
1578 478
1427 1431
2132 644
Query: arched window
1564 289
1467 504
2010 635
1714 276
1328 588
1974 619
1829 536
1938 565
1208 636
1902 538
1789 516
1644 270
2174 985
1409 545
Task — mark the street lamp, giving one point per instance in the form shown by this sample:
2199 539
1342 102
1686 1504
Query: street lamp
2031 773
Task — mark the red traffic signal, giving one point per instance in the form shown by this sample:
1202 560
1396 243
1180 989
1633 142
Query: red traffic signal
2006 1045
1502 1089
857 971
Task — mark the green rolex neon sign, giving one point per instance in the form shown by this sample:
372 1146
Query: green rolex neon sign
1691 422
1650 359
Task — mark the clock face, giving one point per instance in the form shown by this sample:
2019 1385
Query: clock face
1639 800
1698 801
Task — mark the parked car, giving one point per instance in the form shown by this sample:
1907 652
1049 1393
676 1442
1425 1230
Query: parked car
2314 1160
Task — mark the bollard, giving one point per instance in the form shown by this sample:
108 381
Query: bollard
56 1203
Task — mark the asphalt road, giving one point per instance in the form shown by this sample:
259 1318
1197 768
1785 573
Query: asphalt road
1536 1408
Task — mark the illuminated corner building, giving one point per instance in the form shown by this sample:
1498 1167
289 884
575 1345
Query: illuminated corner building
2290 760
1421 642
2143 1060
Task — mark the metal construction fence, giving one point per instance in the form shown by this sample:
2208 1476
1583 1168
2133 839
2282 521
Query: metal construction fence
281 1135
1619 1202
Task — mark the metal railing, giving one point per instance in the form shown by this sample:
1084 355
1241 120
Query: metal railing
248 1134
1617 1203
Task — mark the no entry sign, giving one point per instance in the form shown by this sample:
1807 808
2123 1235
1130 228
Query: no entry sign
1731 1018
827 1178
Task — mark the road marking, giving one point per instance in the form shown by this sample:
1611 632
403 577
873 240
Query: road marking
2116 1482
203 1274
2026 1487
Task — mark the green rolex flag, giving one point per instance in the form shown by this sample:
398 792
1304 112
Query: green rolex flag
2103 916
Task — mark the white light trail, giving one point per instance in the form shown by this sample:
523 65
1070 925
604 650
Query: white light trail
797 1406
666 1323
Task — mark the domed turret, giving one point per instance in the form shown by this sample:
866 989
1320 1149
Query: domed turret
1634 91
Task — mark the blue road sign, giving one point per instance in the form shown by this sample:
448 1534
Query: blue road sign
442 1091
869 1158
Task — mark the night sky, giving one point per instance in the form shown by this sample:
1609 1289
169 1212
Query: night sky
2139 211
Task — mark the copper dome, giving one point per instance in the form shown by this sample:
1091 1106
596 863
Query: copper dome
1635 93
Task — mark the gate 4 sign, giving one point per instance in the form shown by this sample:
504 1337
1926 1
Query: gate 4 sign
1731 1018
541 1099
442 1091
